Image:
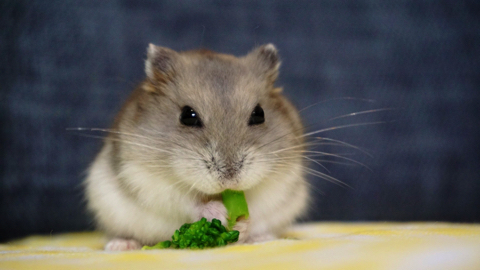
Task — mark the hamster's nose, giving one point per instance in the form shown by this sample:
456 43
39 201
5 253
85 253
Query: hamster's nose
230 172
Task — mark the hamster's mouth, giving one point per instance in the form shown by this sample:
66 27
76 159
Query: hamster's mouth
205 198
208 196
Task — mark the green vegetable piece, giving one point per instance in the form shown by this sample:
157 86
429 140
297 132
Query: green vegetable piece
203 234
160 245
236 205
199 235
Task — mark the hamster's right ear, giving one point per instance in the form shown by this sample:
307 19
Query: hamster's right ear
265 60
160 64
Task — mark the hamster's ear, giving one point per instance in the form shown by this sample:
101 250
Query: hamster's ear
265 60
160 63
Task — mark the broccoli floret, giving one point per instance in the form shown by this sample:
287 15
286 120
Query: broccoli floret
203 234
199 235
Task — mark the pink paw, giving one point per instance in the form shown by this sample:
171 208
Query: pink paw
242 227
120 244
261 238
216 209
213 209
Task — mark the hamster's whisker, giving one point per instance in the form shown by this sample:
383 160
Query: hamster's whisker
306 144
120 133
336 162
325 177
127 142
293 147
328 144
275 153
169 141
170 187
338 156
277 160
342 127
113 131
330 154
320 175
155 161
317 161
159 166
191 189
172 166
331 161
332 99
284 135
345 144
281 136
277 138
316 132
310 185
361 112
313 160
295 153
154 130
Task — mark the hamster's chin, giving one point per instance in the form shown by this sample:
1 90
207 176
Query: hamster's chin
218 186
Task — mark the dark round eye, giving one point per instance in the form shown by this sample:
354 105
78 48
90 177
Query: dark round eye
257 117
189 117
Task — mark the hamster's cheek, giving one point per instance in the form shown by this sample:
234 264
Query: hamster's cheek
253 174
198 180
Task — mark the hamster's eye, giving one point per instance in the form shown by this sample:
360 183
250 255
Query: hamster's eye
257 117
189 117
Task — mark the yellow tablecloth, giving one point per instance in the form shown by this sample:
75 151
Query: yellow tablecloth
308 246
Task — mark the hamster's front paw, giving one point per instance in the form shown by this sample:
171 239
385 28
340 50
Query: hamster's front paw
211 210
216 209
120 244
242 226
258 238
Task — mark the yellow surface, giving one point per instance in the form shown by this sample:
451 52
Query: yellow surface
308 246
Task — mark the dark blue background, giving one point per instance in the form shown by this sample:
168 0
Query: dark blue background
72 63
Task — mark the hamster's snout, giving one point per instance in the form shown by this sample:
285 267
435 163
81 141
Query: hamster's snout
225 169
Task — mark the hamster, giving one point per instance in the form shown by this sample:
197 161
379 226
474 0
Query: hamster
201 122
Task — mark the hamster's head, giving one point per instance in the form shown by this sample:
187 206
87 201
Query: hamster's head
212 121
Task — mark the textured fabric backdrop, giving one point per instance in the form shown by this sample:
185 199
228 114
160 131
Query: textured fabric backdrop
72 63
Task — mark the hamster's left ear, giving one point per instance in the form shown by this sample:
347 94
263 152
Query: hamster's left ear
265 60
160 64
